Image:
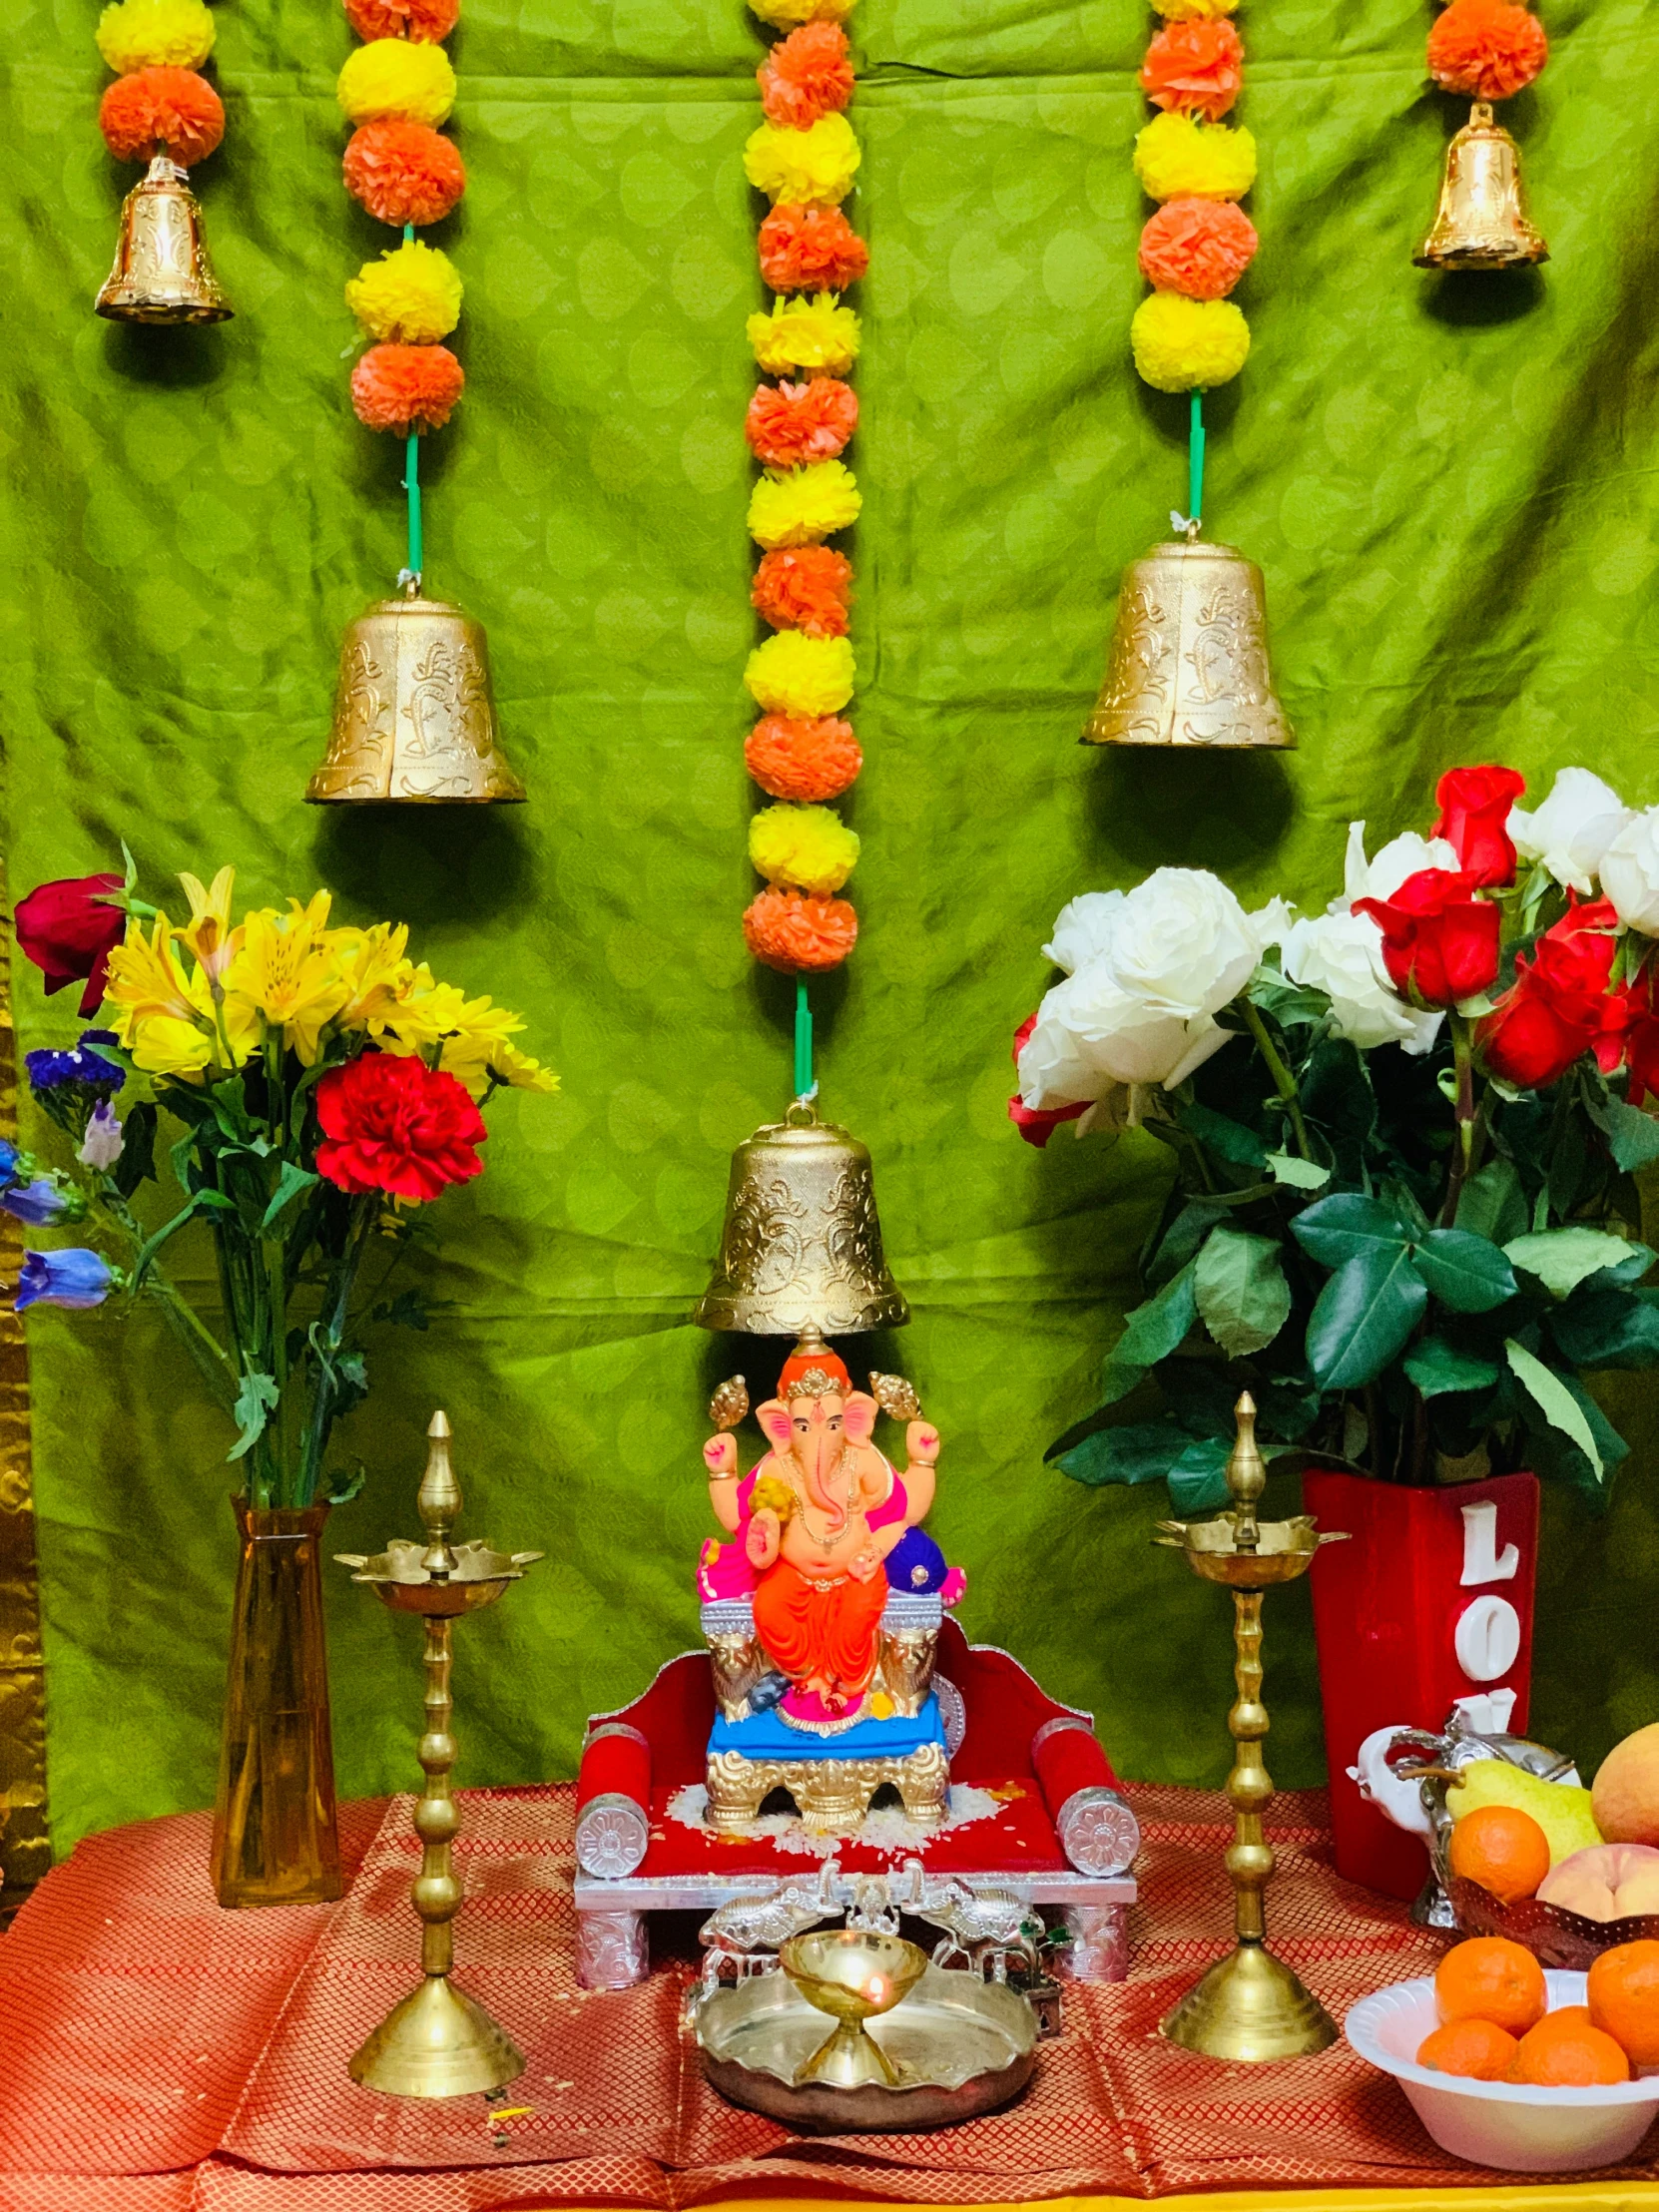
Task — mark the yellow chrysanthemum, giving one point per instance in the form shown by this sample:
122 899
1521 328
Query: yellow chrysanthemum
798 167
144 978
155 34
208 933
809 846
1188 344
805 505
784 15
289 971
806 334
1176 157
520 1070
793 674
397 77
412 295
378 975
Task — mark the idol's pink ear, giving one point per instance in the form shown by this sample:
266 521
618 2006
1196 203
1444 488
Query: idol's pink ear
859 1417
774 1417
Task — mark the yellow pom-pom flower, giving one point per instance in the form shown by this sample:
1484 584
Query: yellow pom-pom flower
806 334
155 34
410 297
793 674
784 15
394 76
810 847
1192 11
807 505
1188 344
1176 157
802 167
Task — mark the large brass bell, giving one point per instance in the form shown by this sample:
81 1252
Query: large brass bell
1482 220
162 272
802 1245
415 716
1189 656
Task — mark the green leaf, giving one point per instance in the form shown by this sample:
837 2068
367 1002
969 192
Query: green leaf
1632 1136
137 1163
1153 1332
1560 1259
1338 1229
342 1488
1229 1140
1363 1316
406 1310
1180 1241
1599 1327
1064 1443
1465 1272
290 1184
1299 1175
1554 1400
1139 1451
1492 1203
1197 1480
1242 1296
200 1202
1437 1367
256 1403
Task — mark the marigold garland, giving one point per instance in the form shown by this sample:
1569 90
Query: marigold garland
805 76
789 425
1486 49
807 761
804 588
809 847
793 674
816 164
159 101
800 935
806 504
155 34
805 334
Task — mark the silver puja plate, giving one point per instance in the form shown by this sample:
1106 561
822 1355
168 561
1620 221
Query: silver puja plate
962 2046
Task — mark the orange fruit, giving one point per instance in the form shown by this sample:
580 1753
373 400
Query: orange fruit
1623 1990
1475 2048
1490 1979
1571 2055
1501 1847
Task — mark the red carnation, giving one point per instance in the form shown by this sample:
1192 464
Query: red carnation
395 1125
1474 805
1560 1005
1036 1124
68 934
1439 942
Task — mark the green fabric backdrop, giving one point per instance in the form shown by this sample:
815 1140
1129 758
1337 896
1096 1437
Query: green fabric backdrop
1450 484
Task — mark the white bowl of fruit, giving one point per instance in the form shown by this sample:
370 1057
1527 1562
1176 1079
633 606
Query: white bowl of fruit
1513 2067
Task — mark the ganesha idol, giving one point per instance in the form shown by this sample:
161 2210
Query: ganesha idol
823 1609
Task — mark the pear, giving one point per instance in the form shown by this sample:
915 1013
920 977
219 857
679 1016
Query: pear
1561 1809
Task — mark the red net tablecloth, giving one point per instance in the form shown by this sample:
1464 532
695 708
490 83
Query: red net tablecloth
159 2055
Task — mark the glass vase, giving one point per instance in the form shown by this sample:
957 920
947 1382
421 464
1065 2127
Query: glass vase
276 1839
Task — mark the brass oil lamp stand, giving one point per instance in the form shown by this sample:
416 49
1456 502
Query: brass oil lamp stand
437 2043
1250 2007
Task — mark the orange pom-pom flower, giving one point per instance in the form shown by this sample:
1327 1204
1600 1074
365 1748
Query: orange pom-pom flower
1486 49
807 75
811 250
1196 67
1197 247
423 21
803 587
162 110
793 932
403 172
804 761
406 388
791 424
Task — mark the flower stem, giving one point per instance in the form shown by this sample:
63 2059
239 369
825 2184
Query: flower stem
1462 1155
1283 1082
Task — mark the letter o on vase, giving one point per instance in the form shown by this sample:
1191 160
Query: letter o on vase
1487 1639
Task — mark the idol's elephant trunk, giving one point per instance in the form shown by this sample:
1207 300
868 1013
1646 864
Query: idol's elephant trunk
823 1453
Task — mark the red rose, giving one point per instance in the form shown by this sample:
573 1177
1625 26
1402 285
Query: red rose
1474 805
1560 1005
68 934
1642 1035
1037 1123
395 1125
1439 945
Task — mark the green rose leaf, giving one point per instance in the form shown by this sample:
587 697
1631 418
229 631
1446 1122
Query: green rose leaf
1140 1451
1242 1296
1337 1229
1560 1259
1153 1332
1297 1175
1465 1272
1437 1367
1492 1203
1607 1329
1197 1480
1554 1399
1632 1136
1229 1140
1364 1315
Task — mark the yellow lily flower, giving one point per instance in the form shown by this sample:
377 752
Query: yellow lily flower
145 979
377 973
211 1039
207 933
289 972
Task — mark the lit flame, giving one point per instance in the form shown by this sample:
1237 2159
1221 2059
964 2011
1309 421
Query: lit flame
876 1989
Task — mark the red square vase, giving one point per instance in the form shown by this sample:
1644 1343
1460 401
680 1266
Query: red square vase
1430 1601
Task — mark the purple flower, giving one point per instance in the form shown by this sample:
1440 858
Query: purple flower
39 1203
76 1278
8 1164
78 1064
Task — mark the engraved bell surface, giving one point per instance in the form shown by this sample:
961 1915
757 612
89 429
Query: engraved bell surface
414 715
801 1243
1188 664
162 271
1482 220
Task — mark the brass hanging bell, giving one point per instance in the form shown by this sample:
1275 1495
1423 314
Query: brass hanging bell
414 715
1189 657
162 271
802 1245
1482 220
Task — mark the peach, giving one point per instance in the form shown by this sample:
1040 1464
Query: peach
1608 1882
1625 1794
